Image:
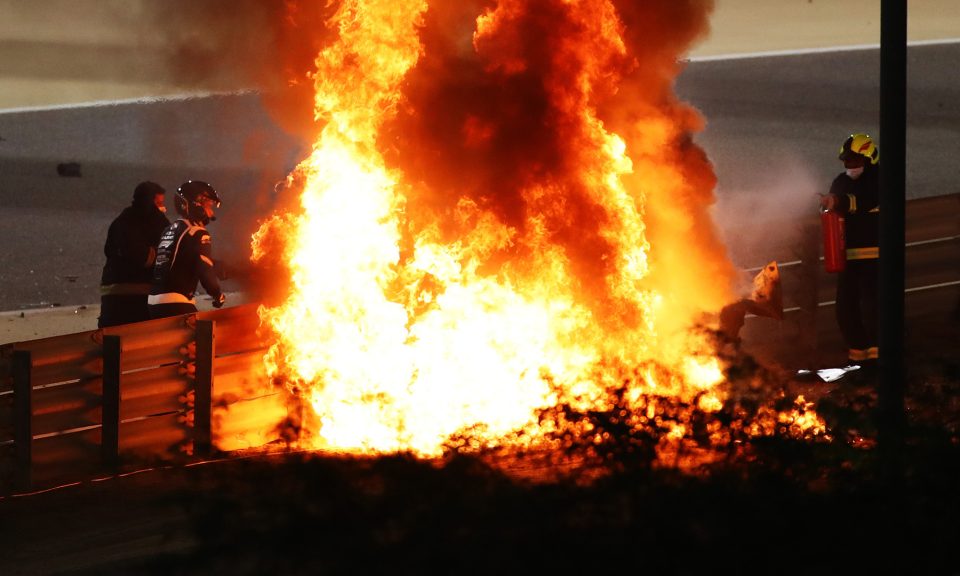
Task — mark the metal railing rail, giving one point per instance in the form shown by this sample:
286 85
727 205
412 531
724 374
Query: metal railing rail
162 390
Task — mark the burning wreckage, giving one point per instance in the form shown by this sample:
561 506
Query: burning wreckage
502 229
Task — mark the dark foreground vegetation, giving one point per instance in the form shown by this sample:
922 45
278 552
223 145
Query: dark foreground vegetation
774 504
397 515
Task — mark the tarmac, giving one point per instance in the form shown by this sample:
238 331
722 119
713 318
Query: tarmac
61 55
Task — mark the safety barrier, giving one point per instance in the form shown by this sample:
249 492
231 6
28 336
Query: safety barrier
808 334
107 400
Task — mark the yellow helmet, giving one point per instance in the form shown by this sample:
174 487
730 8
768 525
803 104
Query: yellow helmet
861 145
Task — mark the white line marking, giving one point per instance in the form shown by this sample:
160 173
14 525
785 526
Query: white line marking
21 495
906 291
806 51
934 241
779 265
711 58
126 101
798 262
932 286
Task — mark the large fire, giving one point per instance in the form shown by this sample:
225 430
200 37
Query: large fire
503 211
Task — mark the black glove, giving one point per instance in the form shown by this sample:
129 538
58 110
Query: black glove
219 300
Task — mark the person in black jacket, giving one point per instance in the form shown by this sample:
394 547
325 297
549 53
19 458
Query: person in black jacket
184 254
855 194
131 249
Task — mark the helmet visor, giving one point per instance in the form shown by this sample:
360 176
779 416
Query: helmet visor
208 202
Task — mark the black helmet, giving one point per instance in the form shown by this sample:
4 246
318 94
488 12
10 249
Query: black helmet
190 200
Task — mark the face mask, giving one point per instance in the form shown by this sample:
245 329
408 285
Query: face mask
854 173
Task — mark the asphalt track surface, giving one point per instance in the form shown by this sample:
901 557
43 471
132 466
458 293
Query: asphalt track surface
773 128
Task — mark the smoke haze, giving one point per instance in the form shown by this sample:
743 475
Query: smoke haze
492 113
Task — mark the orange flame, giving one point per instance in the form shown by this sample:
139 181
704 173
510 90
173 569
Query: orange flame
473 241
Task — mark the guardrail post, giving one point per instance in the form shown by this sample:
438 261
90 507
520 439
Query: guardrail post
203 388
23 415
110 419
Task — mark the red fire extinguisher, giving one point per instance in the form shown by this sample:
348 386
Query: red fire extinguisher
834 241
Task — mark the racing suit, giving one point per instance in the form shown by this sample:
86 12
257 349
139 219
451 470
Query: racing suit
857 309
183 259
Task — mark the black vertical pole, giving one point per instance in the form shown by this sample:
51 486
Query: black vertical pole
23 415
110 413
893 156
893 136
203 387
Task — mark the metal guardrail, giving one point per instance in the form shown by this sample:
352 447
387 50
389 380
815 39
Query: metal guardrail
809 332
162 390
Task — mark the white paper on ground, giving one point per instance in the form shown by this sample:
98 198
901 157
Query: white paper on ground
831 374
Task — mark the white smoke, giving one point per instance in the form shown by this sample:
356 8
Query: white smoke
765 220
